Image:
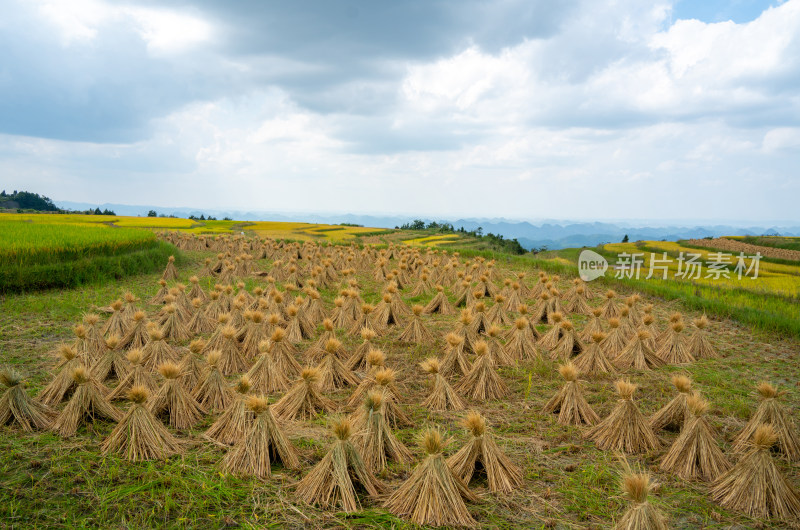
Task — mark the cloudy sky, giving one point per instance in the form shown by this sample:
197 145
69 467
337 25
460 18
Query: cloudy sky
579 109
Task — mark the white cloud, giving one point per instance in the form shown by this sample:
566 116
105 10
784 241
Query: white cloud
782 139
618 113
164 31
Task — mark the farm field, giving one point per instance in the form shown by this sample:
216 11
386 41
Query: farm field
567 480
41 255
773 247
768 302
272 229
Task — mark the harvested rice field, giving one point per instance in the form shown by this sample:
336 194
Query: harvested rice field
264 383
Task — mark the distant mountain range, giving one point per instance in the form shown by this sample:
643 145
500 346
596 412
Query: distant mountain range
552 234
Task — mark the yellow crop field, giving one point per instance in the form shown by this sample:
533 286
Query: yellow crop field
432 241
772 277
154 222
271 229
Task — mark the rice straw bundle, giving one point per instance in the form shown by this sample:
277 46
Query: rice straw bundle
569 345
174 401
464 296
62 383
136 337
699 345
771 412
95 342
231 360
376 442
329 484
497 313
755 486
593 360
637 354
423 285
521 343
137 376
358 361
455 362
130 304
253 333
140 436
625 429
578 302
501 473
479 322
553 335
199 324
514 297
463 329
440 304
83 347
382 381
212 392
397 306
170 273
172 326
88 402
192 364
497 350
303 400
648 324
214 308
283 354
119 321
162 292
626 325
265 376
610 307
433 495
673 348
615 340
274 321
674 415
233 423
695 455
316 351
594 325
341 319
641 515
157 351
364 321
111 364
482 382
196 291
18 408
263 443
542 311
442 397
333 373
569 403
416 332
313 309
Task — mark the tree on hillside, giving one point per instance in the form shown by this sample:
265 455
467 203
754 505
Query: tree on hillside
31 201
152 213
625 239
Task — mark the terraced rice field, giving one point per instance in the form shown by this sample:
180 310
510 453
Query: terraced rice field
739 245
48 254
